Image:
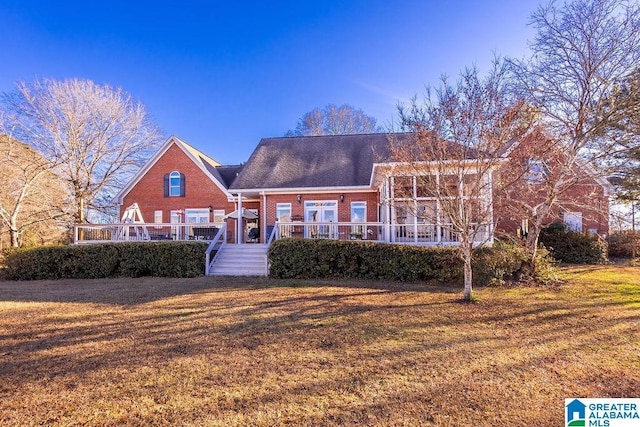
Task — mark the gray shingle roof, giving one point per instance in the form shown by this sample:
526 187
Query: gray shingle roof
314 161
228 173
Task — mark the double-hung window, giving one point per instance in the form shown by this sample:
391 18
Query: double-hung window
283 214
358 214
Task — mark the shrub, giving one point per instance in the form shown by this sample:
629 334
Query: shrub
310 259
624 244
163 259
509 262
575 248
499 263
306 258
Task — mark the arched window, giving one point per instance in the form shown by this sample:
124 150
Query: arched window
174 184
537 171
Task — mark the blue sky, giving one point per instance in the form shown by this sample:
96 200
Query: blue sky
222 75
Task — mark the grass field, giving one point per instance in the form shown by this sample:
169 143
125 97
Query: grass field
253 352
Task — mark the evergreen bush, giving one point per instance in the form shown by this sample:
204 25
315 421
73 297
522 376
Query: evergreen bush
624 244
126 259
311 259
570 247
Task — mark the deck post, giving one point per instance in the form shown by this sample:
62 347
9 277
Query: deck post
239 222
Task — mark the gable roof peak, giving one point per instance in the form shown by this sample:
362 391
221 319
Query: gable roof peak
207 164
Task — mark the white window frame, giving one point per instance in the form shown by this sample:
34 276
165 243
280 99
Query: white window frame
219 215
573 221
322 207
157 217
358 231
537 171
281 216
196 215
174 189
359 205
175 218
280 209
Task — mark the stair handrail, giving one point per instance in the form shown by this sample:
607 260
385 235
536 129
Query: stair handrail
220 239
272 236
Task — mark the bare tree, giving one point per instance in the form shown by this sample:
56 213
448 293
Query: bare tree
31 194
461 134
334 120
583 50
94 136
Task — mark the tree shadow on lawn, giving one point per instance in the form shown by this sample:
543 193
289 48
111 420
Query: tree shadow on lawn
134 291
280 335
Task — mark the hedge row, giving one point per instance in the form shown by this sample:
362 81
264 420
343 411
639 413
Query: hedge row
163 259
309 259
568 246
624 244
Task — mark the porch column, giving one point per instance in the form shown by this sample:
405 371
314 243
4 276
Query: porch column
439 216
392 211
492 220
263 220
414 195
239 231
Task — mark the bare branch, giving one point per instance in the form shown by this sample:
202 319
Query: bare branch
94 136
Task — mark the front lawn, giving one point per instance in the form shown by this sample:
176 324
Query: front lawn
238 352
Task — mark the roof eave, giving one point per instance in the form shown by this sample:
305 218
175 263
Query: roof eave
292 190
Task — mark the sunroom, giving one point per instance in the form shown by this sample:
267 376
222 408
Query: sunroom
432 209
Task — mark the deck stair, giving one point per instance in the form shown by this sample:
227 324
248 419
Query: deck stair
240 260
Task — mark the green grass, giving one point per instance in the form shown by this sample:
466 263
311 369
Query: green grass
238 352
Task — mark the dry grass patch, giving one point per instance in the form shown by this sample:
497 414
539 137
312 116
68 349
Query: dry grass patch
237 352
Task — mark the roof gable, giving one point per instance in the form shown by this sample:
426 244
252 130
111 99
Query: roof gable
207 164
541 133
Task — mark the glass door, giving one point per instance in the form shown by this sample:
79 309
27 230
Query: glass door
323 213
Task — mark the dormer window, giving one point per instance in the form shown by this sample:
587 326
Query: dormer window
174 184
537 172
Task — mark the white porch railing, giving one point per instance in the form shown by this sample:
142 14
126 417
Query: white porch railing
331 230
417 234
136 232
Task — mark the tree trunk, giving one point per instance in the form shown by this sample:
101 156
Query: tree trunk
80 219
532 247
80 213
468 273
14 235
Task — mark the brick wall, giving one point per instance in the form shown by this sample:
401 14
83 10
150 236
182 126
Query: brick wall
200 191
582 193
344 207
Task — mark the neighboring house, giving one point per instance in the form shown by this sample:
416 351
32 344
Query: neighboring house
337 187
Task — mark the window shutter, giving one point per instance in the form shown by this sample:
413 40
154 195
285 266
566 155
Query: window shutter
182 185
166 185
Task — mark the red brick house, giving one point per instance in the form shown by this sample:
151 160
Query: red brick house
533 173
334 187
180 184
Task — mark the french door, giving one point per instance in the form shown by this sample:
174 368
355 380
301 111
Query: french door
323 213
